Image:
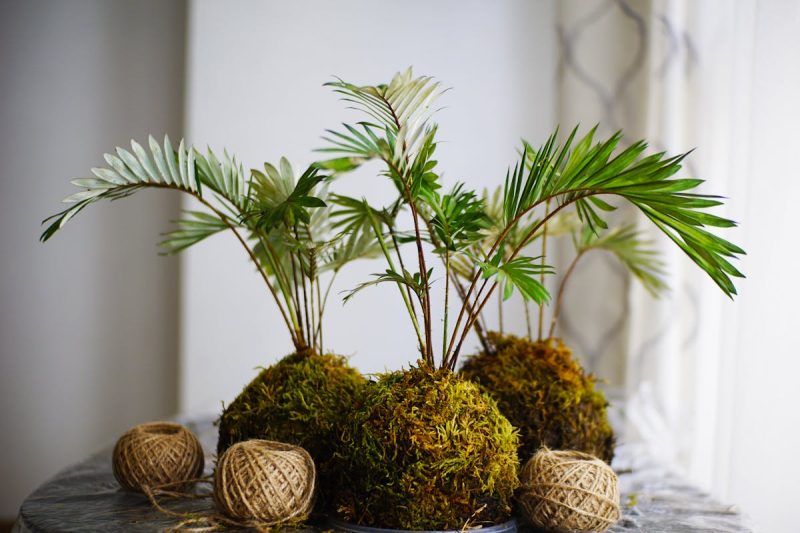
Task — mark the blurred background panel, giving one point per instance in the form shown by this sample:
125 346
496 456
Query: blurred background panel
97 332
88 322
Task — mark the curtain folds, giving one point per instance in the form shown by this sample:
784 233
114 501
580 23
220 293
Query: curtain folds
676 73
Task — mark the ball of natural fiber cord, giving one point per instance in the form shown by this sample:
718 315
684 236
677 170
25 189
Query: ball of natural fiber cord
265 482
157 454
568 491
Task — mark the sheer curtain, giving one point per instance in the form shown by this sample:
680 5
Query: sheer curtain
719 77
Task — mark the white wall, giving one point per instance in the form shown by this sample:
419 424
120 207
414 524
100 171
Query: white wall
255 75
87 321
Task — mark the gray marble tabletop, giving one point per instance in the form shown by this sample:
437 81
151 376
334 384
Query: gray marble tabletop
86 497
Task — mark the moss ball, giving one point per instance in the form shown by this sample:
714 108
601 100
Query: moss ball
426 450
545 393
299 400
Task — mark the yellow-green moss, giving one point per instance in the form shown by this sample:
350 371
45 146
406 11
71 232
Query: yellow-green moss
542 389
426 450
300 400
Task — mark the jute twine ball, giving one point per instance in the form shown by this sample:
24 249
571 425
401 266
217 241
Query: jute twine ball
265 482
156 454
569 491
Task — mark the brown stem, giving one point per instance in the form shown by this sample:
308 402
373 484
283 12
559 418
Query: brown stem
318 329
298 311
427 293
322 307
295 339
303 276
481 304
500 312
402 264
426 299
541 274
479 328
560 295
528 318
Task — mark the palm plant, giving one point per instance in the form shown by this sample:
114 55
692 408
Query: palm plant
284 225
576 174
282 222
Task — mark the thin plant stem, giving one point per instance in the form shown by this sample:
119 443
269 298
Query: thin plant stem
528 316
560 295
282 279
296 283
312 274
292 332
480 304
400 260
303 276
446 300
541 274
318 329
479 326
580 193
500 311
426 301
322 308
409 306
426 314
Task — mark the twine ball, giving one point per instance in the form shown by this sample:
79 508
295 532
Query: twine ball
265 482
569 491
155 454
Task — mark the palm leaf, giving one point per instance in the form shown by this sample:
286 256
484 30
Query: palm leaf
519 273
183 169
634 252
399 126
196 227
578 172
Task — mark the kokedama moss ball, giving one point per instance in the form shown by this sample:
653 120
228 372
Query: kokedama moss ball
544 392
426 450
299 400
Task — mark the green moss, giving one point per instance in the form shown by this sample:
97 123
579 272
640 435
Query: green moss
426 450
544 392
300 400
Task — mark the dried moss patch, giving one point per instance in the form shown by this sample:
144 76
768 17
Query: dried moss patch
542 389
426 450
300 400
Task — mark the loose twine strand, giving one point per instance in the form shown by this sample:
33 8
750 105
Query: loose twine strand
569 490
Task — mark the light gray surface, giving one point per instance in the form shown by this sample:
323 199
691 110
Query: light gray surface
86 497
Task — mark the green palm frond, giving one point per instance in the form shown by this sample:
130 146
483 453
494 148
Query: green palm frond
412 281
290 210
631 249
349 247
351 215
458 218
128 173
226 178
579 173
184 169
196 227
520 273
398 130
